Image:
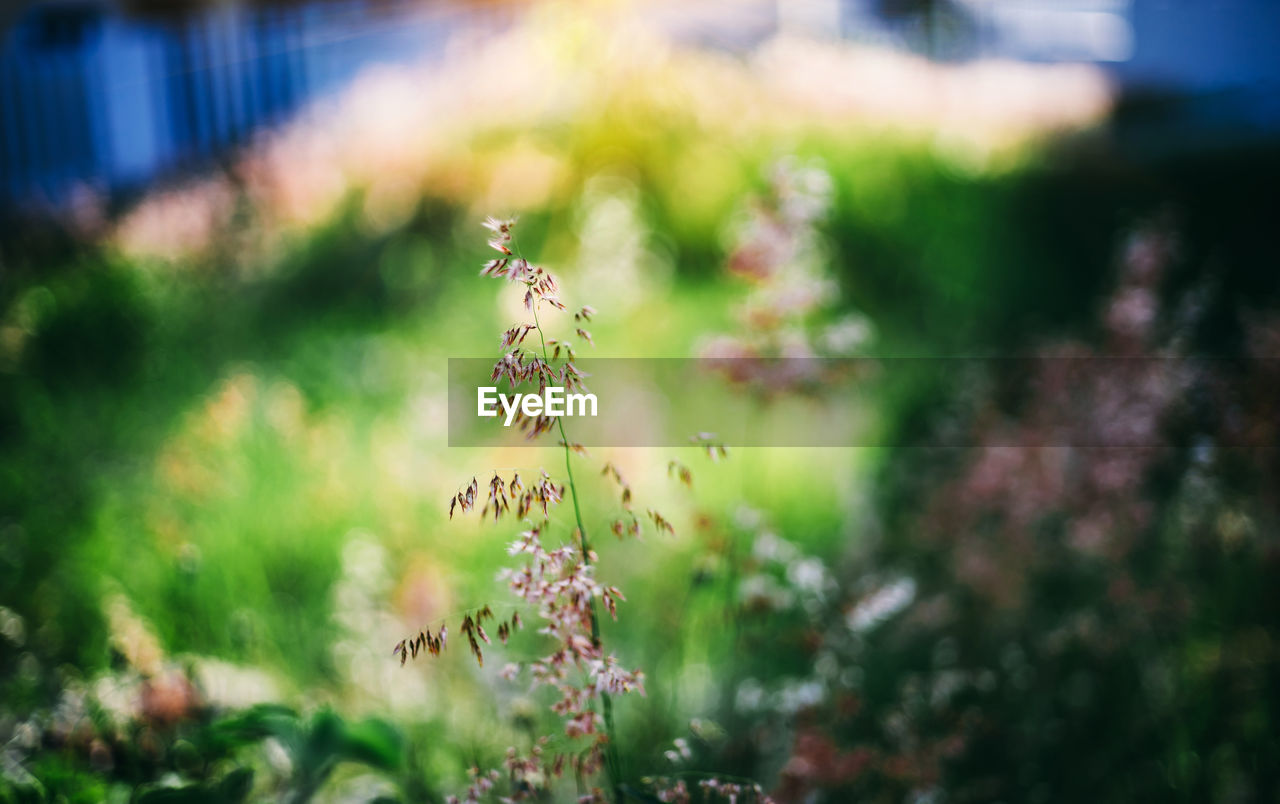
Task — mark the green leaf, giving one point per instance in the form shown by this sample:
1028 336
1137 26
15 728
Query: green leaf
255 724
235 786
374 742
233 789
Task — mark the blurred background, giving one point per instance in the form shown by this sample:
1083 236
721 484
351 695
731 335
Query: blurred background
239 242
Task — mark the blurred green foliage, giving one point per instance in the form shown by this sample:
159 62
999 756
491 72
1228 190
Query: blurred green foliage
207 438
211 762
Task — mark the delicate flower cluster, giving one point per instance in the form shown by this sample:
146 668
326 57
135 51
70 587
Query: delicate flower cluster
543 494
777 251
556 582
712 789
779 227
516 370
562 588
472 627
540 285
1009 492
1003 519
425 642
518 366
481 784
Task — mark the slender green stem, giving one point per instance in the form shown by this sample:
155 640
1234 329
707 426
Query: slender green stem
606 700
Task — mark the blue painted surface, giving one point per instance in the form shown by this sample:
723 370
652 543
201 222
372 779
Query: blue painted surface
91 97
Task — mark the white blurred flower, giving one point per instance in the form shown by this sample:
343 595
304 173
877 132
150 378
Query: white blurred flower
881 604
847 335
749 697
770 547
808 575
797 695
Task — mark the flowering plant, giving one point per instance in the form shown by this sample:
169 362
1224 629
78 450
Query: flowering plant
554 582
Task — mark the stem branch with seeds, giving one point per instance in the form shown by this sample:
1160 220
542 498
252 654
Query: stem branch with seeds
606 700
557 584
